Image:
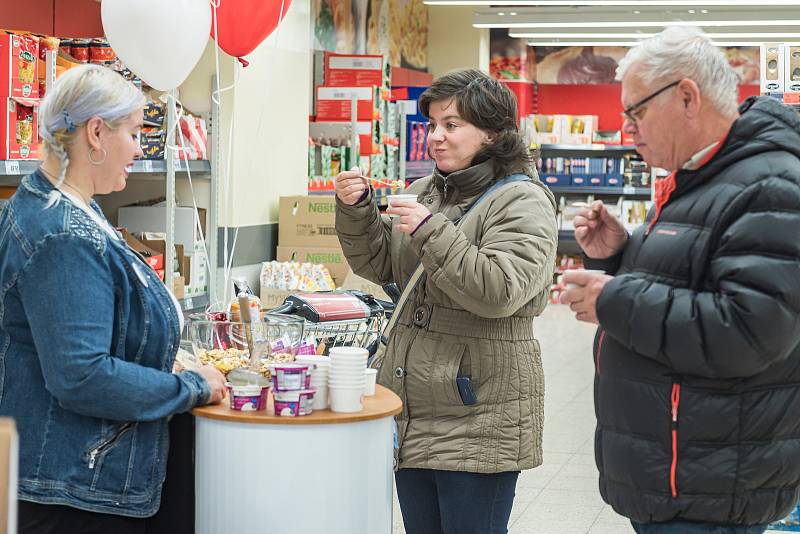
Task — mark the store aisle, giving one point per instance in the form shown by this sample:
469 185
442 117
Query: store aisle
561 496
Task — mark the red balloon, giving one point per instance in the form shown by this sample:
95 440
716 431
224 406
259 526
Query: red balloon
243 24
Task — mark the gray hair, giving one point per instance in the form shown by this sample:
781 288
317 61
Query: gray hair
78 95
685 52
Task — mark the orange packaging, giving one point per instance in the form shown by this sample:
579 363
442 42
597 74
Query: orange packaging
353 70
18 66
19 136
333 103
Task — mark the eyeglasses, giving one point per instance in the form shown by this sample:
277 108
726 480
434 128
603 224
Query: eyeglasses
634 114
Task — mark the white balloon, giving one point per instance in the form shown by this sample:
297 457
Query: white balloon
160 41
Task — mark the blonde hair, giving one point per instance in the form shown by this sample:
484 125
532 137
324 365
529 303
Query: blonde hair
78 95
685 52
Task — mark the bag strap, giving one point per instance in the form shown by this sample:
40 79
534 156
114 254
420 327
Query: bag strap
420 270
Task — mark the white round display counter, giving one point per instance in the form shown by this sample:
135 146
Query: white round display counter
325 472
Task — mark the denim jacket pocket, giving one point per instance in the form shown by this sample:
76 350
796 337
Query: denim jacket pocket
97 451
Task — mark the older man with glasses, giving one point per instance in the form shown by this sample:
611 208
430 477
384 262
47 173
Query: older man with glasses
697 386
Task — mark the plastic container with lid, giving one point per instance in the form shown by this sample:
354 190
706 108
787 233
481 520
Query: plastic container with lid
293 403
249 398
290 376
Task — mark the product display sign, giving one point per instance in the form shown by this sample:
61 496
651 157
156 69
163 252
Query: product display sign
512 59
395 29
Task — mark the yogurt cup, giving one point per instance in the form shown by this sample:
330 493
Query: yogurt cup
290 376
400 197
570 285
250 398
293 403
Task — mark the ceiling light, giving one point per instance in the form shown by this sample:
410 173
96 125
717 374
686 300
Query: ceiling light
513 13
636 35
692 11
704 11
622 3
627 43
636 24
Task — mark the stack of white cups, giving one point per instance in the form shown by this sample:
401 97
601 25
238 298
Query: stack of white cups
347 378
319 378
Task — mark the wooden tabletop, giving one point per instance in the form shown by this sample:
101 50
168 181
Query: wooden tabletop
383 404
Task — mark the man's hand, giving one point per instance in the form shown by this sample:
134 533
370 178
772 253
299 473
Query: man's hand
411 214
350 186
599 234
583 290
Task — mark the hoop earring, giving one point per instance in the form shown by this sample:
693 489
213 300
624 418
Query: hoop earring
91 159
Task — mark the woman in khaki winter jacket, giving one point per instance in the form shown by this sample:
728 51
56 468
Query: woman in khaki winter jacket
463 356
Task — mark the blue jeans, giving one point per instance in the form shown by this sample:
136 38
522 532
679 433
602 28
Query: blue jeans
689 527
455 502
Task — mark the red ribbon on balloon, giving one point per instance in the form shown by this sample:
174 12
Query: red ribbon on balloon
243 24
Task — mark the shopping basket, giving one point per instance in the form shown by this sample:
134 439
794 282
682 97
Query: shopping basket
339 318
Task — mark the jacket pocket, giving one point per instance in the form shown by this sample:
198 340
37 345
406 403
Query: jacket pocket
102 448
452 370
675 400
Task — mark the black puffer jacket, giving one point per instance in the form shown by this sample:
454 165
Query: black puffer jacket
697 390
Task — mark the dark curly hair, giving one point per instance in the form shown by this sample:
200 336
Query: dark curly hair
491 106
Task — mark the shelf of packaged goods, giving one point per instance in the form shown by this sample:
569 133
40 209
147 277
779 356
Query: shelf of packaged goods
587 148
193 303
142 166
634 192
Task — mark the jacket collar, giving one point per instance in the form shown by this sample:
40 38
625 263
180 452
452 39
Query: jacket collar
764 125
466 182
38 184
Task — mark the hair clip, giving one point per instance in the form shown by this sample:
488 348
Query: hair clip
68 121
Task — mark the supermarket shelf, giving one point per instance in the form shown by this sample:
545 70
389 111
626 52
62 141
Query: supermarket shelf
638 192
587 148
143 166
197 302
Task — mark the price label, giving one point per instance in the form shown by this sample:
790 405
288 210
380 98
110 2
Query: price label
188 304
147 165
628 190
178 165
12 167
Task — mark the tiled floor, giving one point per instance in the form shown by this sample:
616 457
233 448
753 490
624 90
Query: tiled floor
561 496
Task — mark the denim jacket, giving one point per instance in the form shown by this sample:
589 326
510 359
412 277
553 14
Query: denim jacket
88 336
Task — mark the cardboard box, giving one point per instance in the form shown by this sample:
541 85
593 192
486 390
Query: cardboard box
160 246
9 460
19 128
307 221
353 281
178 286
197 282
331 257
152 257
272 298
19 76
334 103
154 219
351 70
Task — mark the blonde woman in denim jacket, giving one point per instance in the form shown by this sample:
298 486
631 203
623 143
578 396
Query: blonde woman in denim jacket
88 333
